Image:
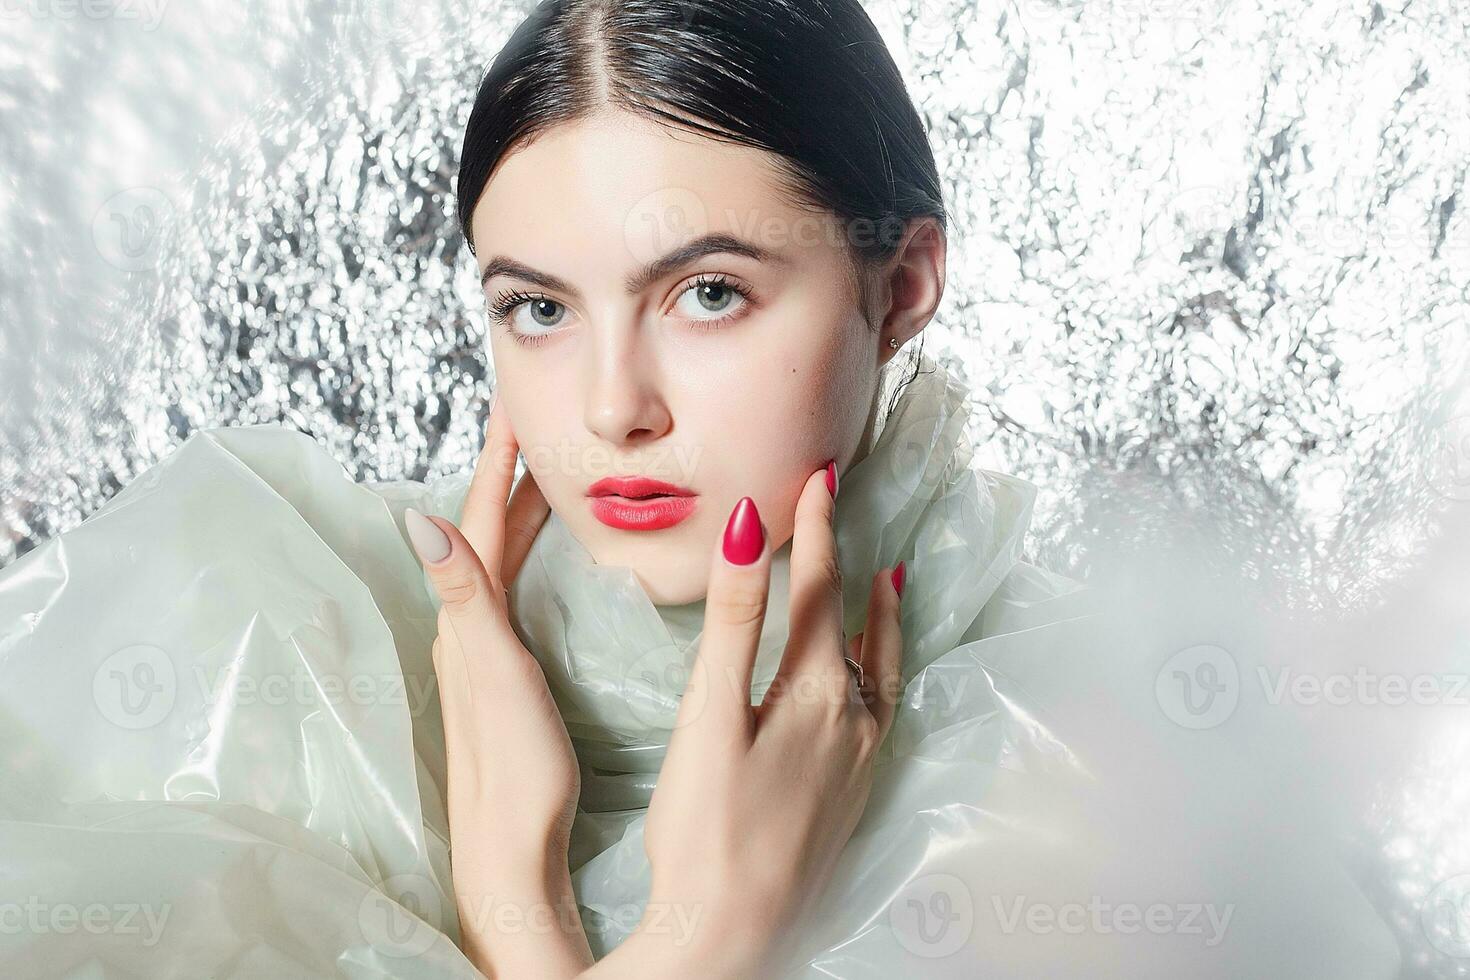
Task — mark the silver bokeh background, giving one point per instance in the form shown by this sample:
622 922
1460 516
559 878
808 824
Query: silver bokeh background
1206 250
1209 263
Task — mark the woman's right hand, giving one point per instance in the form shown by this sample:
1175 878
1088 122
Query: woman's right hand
513 778
754 804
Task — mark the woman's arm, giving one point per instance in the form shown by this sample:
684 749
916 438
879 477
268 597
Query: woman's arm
513 779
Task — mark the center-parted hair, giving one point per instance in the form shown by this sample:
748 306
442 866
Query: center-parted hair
808 80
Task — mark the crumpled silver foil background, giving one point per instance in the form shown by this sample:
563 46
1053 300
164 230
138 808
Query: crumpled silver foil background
1209 262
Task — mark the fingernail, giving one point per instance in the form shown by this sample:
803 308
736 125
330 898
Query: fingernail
744 538
897 578
431 543
832 477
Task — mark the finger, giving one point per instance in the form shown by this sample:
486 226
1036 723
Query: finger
815 647
882 649
483 516
524 517
735 610
465 591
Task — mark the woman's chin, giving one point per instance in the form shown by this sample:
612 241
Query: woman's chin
671 576
663 591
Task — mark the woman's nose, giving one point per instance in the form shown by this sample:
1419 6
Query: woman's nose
624 402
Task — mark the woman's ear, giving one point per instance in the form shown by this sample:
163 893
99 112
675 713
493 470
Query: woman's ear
914 284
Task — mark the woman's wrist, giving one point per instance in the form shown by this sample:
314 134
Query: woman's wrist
667 956
674 941
521 919
522 860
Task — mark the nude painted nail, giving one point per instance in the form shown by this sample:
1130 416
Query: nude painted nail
428 540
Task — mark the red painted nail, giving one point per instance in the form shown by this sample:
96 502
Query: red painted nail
744 538
898 579
832 477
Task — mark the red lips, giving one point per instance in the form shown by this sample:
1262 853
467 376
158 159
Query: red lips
634 487
636 503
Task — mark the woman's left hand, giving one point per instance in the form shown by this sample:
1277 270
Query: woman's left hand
513 776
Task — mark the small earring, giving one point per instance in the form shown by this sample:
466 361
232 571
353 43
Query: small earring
893 342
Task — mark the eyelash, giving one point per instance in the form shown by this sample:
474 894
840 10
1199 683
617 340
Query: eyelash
506 303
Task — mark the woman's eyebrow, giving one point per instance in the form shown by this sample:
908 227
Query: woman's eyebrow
691 251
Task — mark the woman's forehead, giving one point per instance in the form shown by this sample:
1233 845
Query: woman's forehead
621 179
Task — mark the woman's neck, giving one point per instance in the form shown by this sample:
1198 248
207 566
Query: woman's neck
865 444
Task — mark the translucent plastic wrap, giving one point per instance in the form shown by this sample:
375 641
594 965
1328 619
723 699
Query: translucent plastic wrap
221 752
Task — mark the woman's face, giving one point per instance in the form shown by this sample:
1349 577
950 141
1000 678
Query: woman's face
682 318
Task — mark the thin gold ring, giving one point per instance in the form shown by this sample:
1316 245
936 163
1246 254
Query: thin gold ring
856 669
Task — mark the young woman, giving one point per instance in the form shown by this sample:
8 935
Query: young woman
746 678
702 230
